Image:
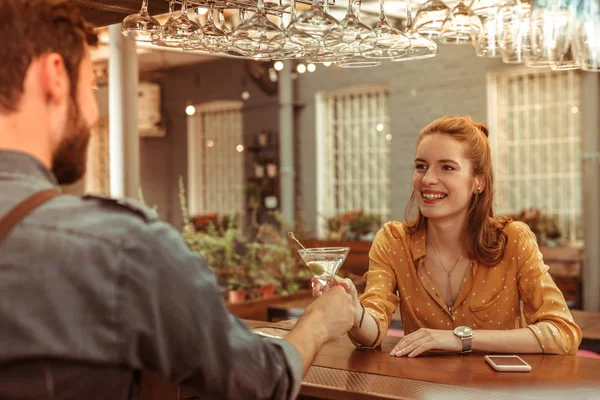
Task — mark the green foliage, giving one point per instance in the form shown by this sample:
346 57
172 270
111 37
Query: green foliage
353 225
242 262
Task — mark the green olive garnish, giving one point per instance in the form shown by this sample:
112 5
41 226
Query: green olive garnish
316 268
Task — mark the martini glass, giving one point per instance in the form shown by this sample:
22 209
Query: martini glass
324 262
140 26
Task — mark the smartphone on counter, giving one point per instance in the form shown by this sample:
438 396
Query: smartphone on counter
508 363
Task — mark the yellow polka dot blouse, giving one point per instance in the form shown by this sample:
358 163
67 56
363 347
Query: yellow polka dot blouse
489 298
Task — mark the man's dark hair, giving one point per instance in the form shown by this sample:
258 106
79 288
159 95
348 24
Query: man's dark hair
32 28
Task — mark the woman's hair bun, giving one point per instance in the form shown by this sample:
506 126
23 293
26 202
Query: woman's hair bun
482 128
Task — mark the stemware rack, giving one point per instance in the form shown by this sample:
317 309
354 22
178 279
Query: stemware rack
271 7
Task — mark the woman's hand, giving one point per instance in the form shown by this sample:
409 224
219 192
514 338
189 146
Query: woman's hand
425 339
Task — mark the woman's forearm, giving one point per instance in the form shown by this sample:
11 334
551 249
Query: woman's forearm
368 331
508 341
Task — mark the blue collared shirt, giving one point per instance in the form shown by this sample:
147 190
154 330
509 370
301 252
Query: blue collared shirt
101 282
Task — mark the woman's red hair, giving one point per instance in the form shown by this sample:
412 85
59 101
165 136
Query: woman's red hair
483 238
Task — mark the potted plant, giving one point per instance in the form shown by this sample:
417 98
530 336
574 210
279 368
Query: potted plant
353 225
264 263
238 289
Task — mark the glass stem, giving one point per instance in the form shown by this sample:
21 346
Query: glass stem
381 11
281 23
211 12
144 9
260 7
350 7
409 20
171 9
184 8
356 8
293 11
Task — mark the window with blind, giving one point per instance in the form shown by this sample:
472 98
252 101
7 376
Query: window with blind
216 159
352 153
535 137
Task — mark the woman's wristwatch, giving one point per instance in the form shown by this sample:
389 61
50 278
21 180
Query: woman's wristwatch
465 334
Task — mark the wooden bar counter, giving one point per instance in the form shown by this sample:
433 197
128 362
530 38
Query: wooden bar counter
340 371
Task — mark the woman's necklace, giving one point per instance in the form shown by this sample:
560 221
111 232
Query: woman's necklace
448 272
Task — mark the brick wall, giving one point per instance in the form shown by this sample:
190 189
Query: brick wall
453 82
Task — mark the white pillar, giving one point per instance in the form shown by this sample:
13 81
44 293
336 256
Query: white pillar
124 146
286 142
590 104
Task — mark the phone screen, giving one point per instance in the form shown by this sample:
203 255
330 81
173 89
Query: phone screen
511 360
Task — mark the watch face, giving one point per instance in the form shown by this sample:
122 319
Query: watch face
463 331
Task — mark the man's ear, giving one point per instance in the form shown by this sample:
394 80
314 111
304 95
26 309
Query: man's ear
54 78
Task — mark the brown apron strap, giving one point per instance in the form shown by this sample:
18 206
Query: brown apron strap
22 209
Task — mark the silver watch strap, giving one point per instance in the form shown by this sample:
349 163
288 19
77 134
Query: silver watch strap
466 344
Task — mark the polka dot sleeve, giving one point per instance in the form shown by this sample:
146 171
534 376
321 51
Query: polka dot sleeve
380 299
544 306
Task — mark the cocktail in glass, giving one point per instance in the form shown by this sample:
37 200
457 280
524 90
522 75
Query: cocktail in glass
324 262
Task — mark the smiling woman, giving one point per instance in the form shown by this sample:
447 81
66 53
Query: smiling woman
459 274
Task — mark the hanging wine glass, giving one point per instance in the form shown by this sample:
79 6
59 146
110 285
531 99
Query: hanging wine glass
141 26
514 15
323 54
461 25
177 31
586 36
488 41
298 44
548 34
210 37
429 19
258 37
195 40
385 38
317 21
420 46
352 41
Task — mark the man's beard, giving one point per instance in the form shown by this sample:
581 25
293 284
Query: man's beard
70 156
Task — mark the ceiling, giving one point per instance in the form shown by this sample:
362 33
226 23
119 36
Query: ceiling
108 12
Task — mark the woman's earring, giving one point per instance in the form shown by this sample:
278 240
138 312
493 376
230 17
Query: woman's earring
478 191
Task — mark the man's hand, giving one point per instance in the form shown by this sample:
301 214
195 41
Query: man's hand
327 318
424 339
318 290
333 310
